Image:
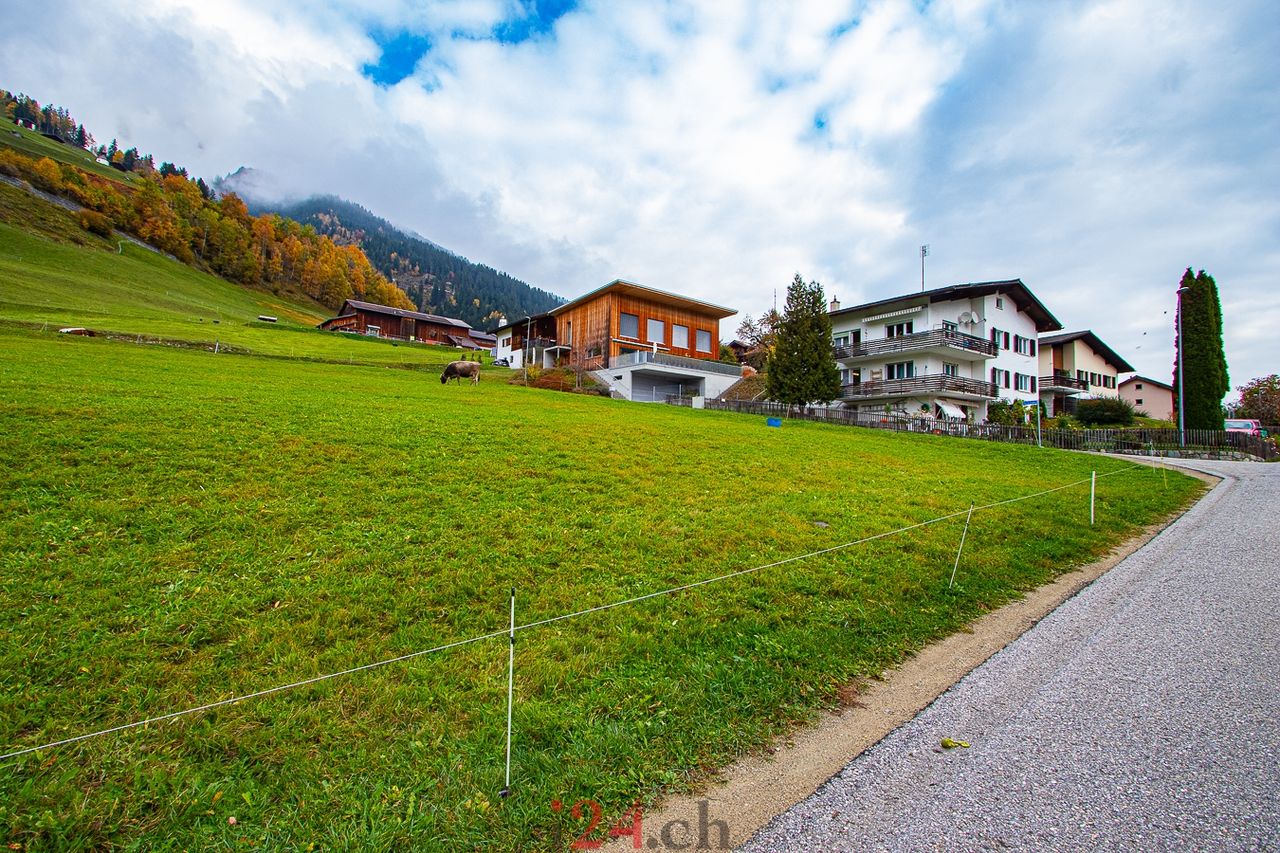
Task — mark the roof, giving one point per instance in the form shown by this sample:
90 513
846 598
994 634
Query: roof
1095 343
463 341
483 337
1147 379
375 308
1016 290
639 290
513 324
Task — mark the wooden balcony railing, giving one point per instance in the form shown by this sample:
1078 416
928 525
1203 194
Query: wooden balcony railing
934 383
938 338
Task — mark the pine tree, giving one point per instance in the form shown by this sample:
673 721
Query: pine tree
1203 360
801 369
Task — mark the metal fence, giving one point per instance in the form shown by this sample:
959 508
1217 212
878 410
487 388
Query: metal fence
1214 444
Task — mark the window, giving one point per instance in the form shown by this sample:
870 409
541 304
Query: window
1006 339
995 337
949 369
841 340
948 326
1080 375
1000 303
1024 346
704 340
901 369
897 330
1022 382
1138 386
506 342
568 333
628 325
679 336
999 378
656 332
1138 401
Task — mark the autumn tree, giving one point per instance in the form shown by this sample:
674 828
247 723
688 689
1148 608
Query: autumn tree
801 369
1260 399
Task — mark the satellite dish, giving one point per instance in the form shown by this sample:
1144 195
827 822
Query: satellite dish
967 317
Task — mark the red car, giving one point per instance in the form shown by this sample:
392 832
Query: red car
1249 427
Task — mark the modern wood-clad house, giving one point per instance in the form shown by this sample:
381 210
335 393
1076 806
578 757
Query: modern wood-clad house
642 342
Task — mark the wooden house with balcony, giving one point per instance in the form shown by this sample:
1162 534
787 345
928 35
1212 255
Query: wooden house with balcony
944 353
383 321
645 344
1075 365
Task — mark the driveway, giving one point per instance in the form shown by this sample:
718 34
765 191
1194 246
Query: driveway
1143 714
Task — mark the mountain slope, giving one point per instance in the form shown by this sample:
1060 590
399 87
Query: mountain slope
439 281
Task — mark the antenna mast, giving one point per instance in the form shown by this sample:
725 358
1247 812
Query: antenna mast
924 253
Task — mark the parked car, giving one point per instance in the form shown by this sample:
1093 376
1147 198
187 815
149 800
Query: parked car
501 362
1245 425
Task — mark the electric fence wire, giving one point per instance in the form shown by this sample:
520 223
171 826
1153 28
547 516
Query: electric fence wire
509 630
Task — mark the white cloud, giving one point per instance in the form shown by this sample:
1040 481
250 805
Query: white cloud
1095 149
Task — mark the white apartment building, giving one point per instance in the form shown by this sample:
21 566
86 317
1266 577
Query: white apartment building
946 352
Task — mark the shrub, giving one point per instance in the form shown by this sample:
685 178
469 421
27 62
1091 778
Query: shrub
46 175
94 222
1108 411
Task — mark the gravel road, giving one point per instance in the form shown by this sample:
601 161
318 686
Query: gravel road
1143 714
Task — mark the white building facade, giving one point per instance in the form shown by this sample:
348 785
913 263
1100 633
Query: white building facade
944 353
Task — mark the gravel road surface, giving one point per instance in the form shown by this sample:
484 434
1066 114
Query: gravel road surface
1143 714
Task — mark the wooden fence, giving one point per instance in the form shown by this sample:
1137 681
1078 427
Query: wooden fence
1141 441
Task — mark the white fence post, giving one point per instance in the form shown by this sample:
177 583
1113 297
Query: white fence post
959 550
1093 489
511 680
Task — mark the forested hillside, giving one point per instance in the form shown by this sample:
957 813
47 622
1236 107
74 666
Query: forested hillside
437 280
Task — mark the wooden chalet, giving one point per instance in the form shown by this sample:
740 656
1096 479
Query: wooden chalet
383 321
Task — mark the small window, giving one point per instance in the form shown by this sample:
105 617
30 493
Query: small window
948 326
1138 401
950 369
679 336
841 340
1000 303
1138 386
704 340
629 325
656 332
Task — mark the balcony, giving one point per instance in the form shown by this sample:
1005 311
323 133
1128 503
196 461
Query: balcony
1063 384
629 359
935 383
939 339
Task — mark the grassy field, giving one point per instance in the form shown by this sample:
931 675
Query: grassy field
32 143
53 274
179 526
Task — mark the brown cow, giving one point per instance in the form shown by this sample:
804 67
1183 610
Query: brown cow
458 369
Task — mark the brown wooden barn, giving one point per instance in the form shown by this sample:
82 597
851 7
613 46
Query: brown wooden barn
369 318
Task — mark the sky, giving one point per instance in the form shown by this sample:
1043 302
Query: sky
1093 148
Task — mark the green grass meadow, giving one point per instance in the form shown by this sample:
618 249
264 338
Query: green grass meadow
179 527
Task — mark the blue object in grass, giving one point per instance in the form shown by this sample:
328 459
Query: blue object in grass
774 422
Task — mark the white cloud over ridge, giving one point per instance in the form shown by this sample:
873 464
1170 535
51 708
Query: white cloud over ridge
1093 149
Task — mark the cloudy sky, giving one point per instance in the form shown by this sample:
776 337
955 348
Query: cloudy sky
1093 149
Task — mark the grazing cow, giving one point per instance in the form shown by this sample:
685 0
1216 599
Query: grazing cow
458 369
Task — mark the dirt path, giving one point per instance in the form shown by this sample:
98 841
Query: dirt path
757 788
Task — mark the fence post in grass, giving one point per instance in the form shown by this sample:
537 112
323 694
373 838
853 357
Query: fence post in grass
1093 489
511 680
960 550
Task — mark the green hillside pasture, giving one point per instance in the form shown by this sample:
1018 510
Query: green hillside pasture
178 527
51 283
31 143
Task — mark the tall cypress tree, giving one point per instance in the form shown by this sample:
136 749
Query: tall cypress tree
1203 360
801 368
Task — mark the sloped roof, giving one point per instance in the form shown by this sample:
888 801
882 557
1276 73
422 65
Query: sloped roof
1014 288
643 292
1147 379
375 308
463 341
1095 343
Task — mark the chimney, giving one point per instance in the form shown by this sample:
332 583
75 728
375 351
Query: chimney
835 305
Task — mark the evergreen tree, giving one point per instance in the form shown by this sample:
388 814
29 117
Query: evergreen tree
1203 361
801 369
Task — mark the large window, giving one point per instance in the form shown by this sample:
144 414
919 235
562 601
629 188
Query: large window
629 325
655 332
704 340
901 370
1024 346
897 330
679 336
949 369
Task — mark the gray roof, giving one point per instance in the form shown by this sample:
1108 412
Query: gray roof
1016 290
1095 343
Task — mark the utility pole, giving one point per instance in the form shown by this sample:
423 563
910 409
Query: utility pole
924 253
